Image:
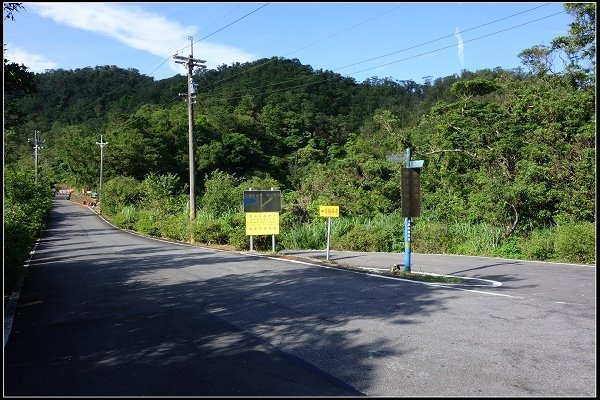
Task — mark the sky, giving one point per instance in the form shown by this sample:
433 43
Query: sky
415 41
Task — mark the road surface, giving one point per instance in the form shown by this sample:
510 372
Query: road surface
103 312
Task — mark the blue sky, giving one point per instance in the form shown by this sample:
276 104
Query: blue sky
401 41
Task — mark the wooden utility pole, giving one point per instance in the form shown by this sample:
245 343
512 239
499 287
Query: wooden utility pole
191 62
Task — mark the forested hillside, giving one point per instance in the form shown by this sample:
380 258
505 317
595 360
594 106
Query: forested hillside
509 154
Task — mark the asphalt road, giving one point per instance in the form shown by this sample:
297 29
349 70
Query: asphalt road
104 312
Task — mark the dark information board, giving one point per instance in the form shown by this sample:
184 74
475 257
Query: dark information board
262 200
411 192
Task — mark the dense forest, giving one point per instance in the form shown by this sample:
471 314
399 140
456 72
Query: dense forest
510 155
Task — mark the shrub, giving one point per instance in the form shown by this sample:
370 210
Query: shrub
306 236
221 194
474 239
175 226
576 242
431 237
540 245
235 227
363 238
510 248
26 205
119 192
146 224
126 218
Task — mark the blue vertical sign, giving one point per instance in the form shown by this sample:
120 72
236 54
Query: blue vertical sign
410 201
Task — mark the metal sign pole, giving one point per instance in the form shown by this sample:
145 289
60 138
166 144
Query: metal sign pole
328 236
251 238
407 225
273 236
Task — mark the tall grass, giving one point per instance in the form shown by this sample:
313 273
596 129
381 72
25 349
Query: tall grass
566 242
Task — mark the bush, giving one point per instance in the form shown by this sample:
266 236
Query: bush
146 224
474 239
306 236
221 195
26 206
363 238
119 192
540 245
576 242
431 237
175 227
126 218
235 227
510 248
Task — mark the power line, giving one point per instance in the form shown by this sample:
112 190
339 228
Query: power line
393 62
454 45
443 37
375 58
304 47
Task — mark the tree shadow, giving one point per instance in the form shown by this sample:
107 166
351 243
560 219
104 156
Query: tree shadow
160 319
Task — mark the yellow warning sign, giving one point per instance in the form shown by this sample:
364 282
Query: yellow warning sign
329 211
262 223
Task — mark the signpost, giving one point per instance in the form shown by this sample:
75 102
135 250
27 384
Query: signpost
262 223
411 197
329 212
262 209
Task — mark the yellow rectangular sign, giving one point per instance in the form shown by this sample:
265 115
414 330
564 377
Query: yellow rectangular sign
262 223
329 211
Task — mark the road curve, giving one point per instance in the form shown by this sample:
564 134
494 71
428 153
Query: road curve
103 312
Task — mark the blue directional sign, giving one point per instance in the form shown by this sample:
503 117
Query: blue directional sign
416 164
262 200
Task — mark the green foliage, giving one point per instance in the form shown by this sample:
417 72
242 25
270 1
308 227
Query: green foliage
147 223
431 237
174 226
512 247
311 235
576 242
221 194
509 154
235 226
26 205
209 229
363 238
474 239
126 217
382 233
540 244
162 194
119 193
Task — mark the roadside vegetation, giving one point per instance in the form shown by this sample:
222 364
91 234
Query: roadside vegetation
26 206
510 155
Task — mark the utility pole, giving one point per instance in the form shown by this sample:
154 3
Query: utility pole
191 62
102 144
36 147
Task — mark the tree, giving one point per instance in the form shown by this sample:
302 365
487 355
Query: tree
580 44
10 8
18 82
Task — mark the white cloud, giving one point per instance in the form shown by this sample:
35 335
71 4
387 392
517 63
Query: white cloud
34 62
461 47
140 30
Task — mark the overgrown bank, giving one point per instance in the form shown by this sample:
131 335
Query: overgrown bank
156 207
27 201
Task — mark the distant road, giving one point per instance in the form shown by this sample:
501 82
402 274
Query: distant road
104 312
